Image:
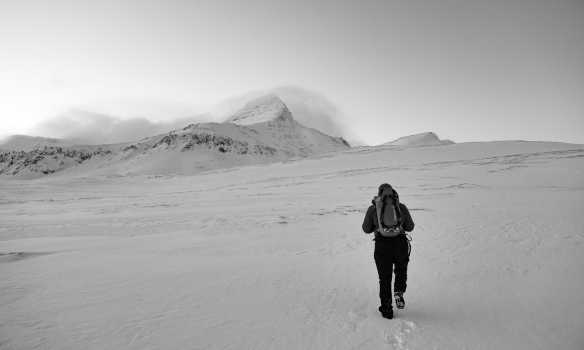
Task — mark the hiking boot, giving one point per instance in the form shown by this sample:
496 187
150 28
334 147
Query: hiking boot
399 299
386 312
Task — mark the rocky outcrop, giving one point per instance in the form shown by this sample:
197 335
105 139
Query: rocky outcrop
47 160
223 144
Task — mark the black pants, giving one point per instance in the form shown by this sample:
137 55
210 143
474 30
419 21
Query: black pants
390 252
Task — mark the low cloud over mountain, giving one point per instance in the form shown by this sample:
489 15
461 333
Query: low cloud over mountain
264 131
310 108
96 128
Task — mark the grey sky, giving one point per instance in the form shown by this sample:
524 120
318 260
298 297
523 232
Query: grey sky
467 70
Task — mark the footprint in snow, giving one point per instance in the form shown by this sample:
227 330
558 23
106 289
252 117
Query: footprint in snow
399 339
408 326
392 339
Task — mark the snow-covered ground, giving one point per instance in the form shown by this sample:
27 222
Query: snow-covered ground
272 256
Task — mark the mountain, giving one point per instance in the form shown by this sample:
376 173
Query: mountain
268 115
423 139
29 143
264 131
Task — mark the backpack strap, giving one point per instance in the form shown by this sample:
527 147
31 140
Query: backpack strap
401 218
378 200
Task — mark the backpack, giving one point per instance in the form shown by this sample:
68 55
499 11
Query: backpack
389 218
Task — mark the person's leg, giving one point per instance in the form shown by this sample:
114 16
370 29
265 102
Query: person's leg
384 270
401 259
401 275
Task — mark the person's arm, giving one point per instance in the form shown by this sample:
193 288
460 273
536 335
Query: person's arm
408 224
368 225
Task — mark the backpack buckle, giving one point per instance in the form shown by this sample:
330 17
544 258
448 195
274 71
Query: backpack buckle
391 229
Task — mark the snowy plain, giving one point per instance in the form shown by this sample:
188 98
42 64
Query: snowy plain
272 256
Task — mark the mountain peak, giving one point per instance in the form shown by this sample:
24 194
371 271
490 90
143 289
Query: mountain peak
423 139
263 109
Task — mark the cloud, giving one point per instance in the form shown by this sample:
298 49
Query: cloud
310 108
94 128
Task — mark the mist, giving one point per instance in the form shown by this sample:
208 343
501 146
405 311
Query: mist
92 128
310 108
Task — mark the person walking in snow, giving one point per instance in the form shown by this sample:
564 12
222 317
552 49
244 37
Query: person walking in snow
392 247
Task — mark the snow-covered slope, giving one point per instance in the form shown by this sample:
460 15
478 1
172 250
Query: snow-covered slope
261 110
269 116
423 139
28 143
268 135
272 256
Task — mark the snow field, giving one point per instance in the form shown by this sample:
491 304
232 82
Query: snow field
273 256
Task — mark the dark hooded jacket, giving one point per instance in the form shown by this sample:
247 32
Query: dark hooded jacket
370 221
394 247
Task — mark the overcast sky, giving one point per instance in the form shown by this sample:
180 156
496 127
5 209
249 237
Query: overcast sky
466 70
